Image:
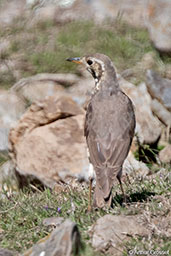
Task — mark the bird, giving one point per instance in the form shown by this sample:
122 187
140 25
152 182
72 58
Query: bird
109 126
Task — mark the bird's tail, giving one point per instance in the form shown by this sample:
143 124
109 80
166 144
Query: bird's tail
99 200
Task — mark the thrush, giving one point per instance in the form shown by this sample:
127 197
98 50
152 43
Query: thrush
109 125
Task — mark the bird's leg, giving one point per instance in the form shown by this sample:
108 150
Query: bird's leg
90 189
123 193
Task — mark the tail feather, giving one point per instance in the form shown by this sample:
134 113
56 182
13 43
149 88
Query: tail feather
99 199
102 182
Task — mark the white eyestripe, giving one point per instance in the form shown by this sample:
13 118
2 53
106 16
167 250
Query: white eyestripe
97 81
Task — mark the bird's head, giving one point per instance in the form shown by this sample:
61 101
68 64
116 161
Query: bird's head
99 65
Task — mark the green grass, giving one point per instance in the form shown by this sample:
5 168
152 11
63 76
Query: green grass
45 46
3 158
22 214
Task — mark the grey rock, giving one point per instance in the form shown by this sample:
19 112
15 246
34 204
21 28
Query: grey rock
7 175
6 252
148 127
81 91
4 131
10 10
40 86
53 221
159 88
131 11
11 109
109 231
158 20
161 112
63 241
165 154
134 167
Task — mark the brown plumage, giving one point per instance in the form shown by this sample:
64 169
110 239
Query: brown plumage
109 126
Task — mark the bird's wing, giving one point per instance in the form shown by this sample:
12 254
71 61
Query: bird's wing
108 138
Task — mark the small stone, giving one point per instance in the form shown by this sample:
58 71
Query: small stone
109 231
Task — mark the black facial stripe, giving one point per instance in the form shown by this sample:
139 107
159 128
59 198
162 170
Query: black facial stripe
93 73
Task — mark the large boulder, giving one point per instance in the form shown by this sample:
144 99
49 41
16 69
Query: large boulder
159 88
158 20
48 141
81 91
10 10
148 127
11 109
38 87
131 11
161 112
134 167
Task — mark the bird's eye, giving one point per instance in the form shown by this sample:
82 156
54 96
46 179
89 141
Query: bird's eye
89 62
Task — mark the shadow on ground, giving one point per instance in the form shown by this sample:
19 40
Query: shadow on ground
132 198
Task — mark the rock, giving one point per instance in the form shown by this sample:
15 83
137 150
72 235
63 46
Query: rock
159 88
60 11
109 231
63 241
6 252
168 71
11 109
10 10
161 112
165 154
4 131
148 127
42 85
131 11
133 167
81 91
7 175
158 21
11 112
53 221
48 142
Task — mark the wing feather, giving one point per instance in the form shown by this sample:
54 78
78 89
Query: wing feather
109 129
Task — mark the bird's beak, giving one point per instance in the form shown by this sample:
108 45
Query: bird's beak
76 60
